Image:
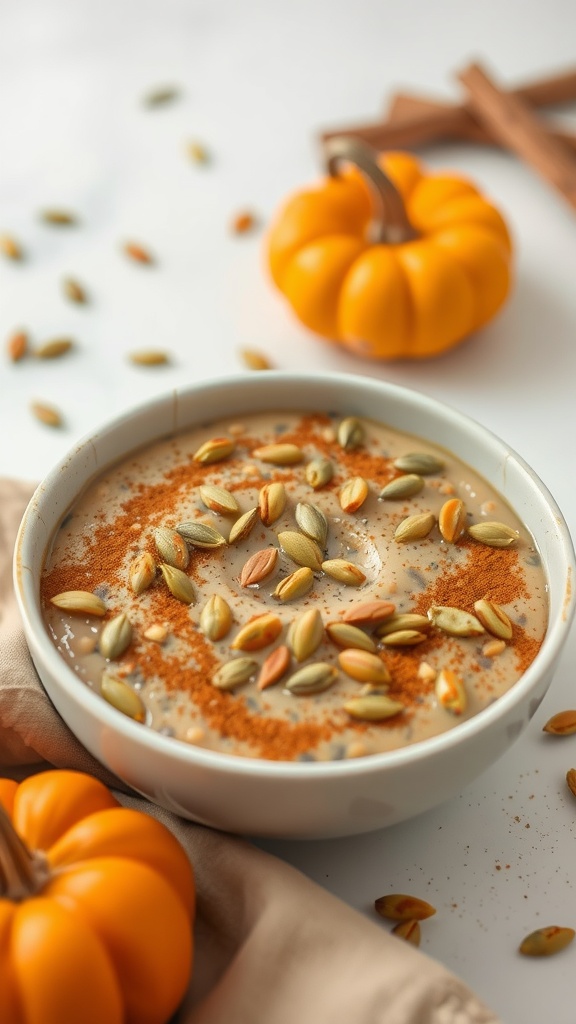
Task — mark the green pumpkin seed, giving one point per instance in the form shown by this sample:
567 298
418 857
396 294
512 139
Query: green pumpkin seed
351 433
312 522
422 463
402 487
122 697
115 637
200 535
495 535
319 472
178 583
373 707
301 549
312 679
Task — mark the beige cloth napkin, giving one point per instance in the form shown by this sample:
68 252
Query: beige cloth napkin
272 947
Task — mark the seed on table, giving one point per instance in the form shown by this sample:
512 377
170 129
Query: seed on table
271 502
159 97
369 613
274 667
422 463
260 565
122 697
403 638
17 346
561 724
214 450
402 487
301 549
60 218
115 637
149 357
259 633
243 222
305 634
312 522
243 526
493 618
198 153
74 291
201 535
344 572
571 780
451 692
53 349
171 547
312 679
415 527
319 472
79 602
255 360
345 635
11 248
219 500
454 621
402 621
138 253
351 433
376 707
400 907
179 584
494 535
364 666
234 673
410 931
546 941
216 618
280 454
295 586
353 494
142 572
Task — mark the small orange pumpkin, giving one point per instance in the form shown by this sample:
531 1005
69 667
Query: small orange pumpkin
405 279
96 907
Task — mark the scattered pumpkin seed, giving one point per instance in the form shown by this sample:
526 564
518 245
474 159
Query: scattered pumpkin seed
47 414
414 527
218 499
80 602
454 621
161 96
156 633
404 621
179 584
493 648
122 697
258 633
138 253
450 691
17 346
312 522
214 450
402 487
410 931
171 547
115 637
10 248
305 634
74 291
295 586
353 494
60 218
351 433
242 527
198 153
364 666
272 502
149 357
255 360
561 724
216 618
423 463
369 613
234 673
260 565
274 667
546 941
319 472
301 549
373 707
495 535
201 535
571 780
403 638
280 454
399 907
312 679
493 618
142 572
452 520
243 222
344 572
53 349
344 634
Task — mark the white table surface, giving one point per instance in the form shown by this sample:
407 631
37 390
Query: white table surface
257 82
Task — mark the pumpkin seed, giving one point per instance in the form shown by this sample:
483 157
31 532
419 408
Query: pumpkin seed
272 502
561 724
79 602
571 780
373 707
214 450
344 634
404 621
410 931
422 463
137 252
234 673
216 618
403 638
353 494
115 637
305 634
178 583
73 291
364 666
122 697
369 613
62 218
47 414
450 691
454 621
546 941
149 357
274 667
452 520
351 433
258 567
156 632
53 349
255 360
312 522
142 572
402 487
312 679
399 907
493 618
218 499
171 547
258 633
158 97
200 535
197 152
415 527
495 535
294 586
319 472
242 527
281 454
10 248
17 346
493 648
301 549
343 571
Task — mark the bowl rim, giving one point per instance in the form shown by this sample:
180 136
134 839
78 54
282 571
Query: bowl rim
92 704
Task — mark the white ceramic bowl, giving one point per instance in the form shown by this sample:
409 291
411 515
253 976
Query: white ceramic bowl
296 800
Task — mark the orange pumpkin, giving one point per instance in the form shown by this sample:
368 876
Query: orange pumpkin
408 277
96 907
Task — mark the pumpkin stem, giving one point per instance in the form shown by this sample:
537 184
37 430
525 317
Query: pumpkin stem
391 224
22 873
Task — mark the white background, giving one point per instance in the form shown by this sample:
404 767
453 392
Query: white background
258 81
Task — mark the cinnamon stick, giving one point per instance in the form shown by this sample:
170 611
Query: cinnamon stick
460 122
510 120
